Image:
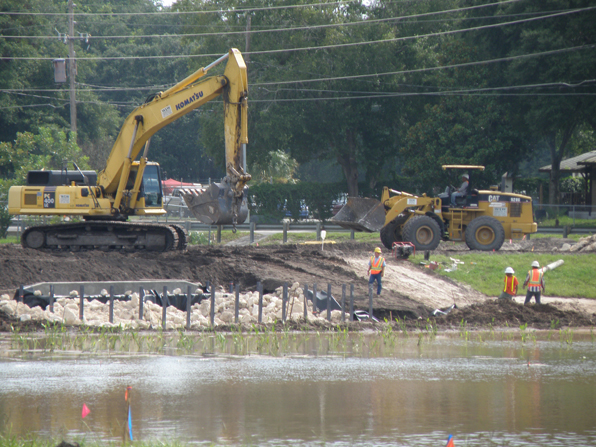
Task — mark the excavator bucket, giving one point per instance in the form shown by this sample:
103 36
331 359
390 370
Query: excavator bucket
216 205
361 214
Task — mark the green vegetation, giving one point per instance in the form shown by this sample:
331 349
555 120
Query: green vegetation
202 237
485 271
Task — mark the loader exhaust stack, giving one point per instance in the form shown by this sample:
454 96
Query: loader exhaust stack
361 214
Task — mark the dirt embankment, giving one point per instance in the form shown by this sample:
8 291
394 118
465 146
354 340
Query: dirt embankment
408 291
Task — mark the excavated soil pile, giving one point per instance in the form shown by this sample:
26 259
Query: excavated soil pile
409 291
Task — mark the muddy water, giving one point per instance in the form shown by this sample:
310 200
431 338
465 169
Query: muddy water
410 392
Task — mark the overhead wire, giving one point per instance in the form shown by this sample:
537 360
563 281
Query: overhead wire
321 47
297 28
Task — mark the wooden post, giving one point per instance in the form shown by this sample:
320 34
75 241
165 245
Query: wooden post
305 302
141 301
284 300
188 300
237 304
351 302
260 290
343 303
212 312
328 302
111 317
82 303
164 304
52 298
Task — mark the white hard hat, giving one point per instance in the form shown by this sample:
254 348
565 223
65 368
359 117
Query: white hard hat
466 176
509 270
535 264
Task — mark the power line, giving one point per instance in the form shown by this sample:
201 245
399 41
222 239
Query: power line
337 78
443 67
268 8
345 45
297 28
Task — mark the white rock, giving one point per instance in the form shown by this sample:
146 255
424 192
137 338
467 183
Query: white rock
4 297
37 293
565 247
177 291
74 293
226 317
70 317
104 292
25 317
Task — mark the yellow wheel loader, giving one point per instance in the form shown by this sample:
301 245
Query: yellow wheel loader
129 187
483 219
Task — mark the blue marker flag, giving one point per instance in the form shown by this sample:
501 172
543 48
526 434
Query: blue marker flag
130 423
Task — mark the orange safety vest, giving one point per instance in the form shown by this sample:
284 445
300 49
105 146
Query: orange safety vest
510 286
376 266
535 278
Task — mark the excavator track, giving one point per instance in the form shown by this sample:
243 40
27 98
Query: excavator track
106 236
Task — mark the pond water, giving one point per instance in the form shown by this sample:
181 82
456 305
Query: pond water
412 392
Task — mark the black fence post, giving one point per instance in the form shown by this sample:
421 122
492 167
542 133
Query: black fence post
237 304
231 287
284 299
285 232
370 302
212 311
141 301
20 299
328 302
188 300
351 302
111 317
82 303
52 298
305 302
314 297
260 290
343 303
164 310
252 232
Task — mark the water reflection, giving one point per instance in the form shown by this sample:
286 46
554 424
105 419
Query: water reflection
490 393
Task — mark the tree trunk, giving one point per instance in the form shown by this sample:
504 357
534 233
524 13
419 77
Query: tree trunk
556 155
347 160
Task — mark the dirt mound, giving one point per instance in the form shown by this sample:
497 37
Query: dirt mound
498 313
408 291
537 245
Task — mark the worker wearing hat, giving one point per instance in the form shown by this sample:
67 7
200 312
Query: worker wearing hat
535 283
376 270
463 189
511 283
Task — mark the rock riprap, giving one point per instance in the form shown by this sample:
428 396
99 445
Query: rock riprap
126 313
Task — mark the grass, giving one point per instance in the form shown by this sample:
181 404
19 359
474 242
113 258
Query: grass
10 240
485 272
566 220
297 238
202 237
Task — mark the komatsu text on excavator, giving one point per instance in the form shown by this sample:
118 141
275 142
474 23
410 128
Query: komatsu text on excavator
129 187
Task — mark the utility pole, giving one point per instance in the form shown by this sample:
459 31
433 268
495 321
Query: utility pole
72 68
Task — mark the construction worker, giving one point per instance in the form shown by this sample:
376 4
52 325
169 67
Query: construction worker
376 270
511 283
462 191
535 283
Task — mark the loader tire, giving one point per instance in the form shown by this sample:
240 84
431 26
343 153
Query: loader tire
391 233
485 233
422 231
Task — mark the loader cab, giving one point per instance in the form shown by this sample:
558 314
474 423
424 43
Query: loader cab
470 200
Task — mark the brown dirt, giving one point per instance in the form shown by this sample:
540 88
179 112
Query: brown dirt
408 291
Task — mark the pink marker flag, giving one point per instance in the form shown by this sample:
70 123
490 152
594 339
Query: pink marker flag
85 411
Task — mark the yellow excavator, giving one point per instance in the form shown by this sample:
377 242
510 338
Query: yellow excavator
483 219
129 187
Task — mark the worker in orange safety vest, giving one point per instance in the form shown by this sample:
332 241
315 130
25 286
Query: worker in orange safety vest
511 283
535 283
376 270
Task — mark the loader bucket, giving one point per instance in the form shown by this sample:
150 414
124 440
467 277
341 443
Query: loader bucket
215 205
361 214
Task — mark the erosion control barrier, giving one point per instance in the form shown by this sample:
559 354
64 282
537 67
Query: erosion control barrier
202 306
